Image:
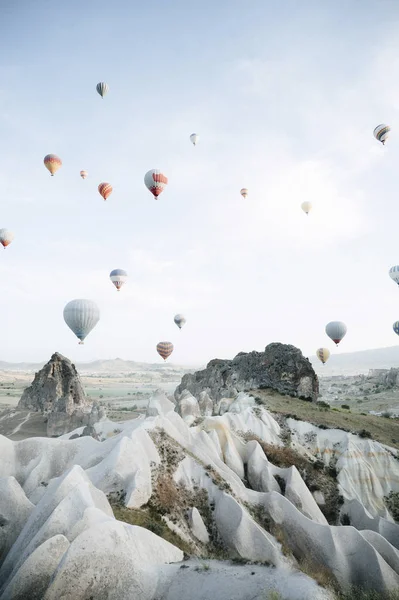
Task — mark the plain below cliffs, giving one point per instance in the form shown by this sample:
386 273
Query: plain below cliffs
281 367
57 392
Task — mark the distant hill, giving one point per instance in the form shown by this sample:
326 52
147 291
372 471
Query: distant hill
354 363
116 365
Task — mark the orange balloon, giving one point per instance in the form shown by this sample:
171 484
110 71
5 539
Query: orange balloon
105 190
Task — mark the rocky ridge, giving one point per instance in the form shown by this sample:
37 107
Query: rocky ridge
281 367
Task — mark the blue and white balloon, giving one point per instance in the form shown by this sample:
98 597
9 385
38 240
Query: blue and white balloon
118 278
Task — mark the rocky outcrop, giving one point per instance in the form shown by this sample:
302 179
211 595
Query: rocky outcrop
57 392
280 367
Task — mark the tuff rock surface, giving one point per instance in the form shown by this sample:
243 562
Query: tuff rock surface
57 392
281 367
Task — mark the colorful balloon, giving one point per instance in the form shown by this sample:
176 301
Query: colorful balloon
194 137
6 237
102 88
381 133
394 274
118 278
323 354
336 330
396 327
306 207
155 181
179 320
164 349
244 192
52 162
105 190
81 316
83 174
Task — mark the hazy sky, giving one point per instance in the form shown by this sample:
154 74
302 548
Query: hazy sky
284 96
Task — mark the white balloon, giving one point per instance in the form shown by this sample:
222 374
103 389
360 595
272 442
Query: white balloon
306 207
81 316
194 137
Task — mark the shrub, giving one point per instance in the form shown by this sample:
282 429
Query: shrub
345 406
345 520
386 414
322 404
363 433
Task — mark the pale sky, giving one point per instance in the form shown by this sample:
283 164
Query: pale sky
284 97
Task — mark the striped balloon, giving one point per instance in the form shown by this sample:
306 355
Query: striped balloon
323 354
179 320
83 174
6 237
155 181
396 327
102 88
244 192
381 133
52 162
105 190
118 278
336 330
164 349
81 316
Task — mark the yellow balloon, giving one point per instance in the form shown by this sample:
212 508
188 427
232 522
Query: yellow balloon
323 354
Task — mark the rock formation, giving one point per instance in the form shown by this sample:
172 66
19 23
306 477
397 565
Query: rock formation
280 367
57 392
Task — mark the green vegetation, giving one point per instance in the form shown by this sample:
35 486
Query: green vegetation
392 503
363 594
385 431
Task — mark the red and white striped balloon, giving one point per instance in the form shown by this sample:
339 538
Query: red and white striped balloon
105 190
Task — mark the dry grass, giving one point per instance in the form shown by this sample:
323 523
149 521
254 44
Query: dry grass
320 573
383 430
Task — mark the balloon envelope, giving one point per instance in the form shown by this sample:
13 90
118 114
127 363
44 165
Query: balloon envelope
336 330
102 88
194 137
381 133
81 316
52 162
244 192
105 190
6 237
306 207
396 327
394 274
118 278
83 174
323 354
155 181
179 320
164 349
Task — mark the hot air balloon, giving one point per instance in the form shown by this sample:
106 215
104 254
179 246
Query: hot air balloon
306 207
336 330
323 354
105 190
194 137
244 192
52 163
81 316
394 273
102 88
179 320
155 181
6 237
118 278
396 327
164 349
381 133
83 174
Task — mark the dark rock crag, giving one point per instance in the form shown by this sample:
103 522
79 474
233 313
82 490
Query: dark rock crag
57 392
281 367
